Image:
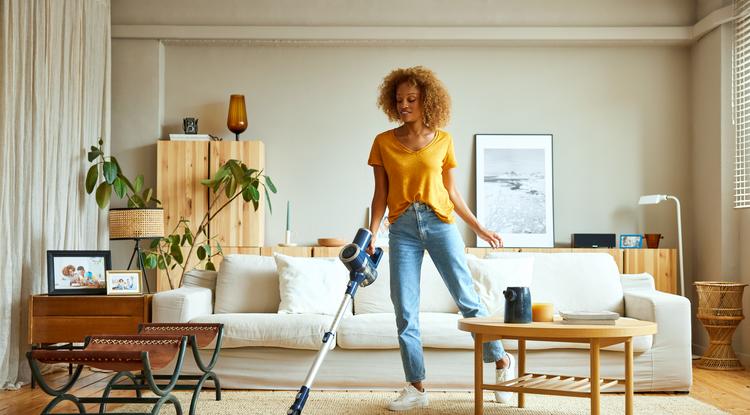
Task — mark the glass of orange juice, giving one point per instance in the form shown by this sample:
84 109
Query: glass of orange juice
542 311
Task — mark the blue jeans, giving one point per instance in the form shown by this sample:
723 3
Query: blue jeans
417 229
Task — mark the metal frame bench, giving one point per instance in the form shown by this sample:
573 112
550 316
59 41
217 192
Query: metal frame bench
124 354
200 335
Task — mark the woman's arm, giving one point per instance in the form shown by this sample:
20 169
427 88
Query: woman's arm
464 212
379 200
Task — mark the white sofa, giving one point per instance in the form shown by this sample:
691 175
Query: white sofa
267 349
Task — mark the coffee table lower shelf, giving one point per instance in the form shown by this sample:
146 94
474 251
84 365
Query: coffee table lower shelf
552 385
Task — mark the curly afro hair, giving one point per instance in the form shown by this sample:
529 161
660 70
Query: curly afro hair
436 103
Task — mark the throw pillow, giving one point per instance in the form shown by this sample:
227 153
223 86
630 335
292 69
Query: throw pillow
247 284
492 276
311 285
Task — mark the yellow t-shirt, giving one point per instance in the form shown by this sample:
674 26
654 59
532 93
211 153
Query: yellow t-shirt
415 176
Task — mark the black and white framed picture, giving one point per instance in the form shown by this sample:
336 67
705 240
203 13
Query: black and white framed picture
77 272
514 188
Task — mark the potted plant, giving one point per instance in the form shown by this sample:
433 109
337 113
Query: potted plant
233 180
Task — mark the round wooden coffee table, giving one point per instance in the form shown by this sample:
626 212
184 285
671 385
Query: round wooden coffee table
487 329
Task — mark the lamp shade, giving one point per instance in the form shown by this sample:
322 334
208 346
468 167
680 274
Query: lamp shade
651 199
136 223
237 118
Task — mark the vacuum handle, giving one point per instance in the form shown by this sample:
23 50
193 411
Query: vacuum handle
376 257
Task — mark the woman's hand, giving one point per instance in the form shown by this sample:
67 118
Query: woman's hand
371 247
491 237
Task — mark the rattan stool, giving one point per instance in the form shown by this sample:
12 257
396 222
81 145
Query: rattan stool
200 335
720 311
124 354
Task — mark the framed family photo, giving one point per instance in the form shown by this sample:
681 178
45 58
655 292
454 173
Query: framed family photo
631 241
77 272
124 282
514 188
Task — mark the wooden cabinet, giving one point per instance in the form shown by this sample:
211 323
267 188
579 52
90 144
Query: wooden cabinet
181 165
661 263
70 318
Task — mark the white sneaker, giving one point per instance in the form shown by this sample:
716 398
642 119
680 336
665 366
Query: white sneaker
504 375
409 398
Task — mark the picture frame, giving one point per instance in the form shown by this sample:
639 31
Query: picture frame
77 272
631 241
124 282
515 193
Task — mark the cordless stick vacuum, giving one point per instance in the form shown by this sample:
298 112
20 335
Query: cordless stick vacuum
362 272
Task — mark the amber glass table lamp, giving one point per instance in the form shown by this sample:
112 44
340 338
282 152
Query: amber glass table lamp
237 118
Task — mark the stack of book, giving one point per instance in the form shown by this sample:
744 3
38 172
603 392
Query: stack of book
607 318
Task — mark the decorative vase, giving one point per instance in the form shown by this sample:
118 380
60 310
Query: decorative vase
517 305
720 311
237 118
652 240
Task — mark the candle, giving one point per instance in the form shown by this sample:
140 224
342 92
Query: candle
542 311
288 209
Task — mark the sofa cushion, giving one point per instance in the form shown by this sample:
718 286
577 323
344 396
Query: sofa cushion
492 276
311 285
378 331
434 297
574 281
291 331
247 284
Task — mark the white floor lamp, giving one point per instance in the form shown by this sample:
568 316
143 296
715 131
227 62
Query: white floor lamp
655 199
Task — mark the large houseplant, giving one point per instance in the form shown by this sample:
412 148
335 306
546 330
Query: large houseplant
232 180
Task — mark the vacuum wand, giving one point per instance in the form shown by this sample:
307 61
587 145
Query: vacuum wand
362 272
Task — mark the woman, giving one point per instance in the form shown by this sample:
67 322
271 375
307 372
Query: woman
413 178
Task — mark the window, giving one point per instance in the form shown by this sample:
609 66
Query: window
741 103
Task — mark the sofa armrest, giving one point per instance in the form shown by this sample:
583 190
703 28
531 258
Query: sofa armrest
671 348
644 281
181 305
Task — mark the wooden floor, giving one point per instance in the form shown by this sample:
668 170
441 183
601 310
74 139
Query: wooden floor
729 391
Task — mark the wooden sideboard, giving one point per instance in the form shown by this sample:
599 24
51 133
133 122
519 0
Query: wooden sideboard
70 318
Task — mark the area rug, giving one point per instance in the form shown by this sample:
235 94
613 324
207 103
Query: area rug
441 403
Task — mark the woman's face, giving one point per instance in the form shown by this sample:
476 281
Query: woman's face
408 103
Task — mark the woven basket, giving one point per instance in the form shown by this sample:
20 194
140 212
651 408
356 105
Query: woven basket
136 223
720 311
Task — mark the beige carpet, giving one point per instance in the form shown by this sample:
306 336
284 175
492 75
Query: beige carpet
441 403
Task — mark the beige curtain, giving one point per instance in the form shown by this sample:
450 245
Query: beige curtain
55 92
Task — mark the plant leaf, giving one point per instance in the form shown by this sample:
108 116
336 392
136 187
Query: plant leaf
254 193
138 201
201 253
268 200
154 243
91 177
246 196
176 253
270 184
119 186
138 183
174 239
207 246
161 263
103 194
210 266
147 195
150 261
110 171
218 248
255 204
93 154
231 188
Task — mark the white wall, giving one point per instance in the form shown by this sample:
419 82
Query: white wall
719 229
619 131
620 115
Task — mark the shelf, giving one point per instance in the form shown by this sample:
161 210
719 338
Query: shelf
552 385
